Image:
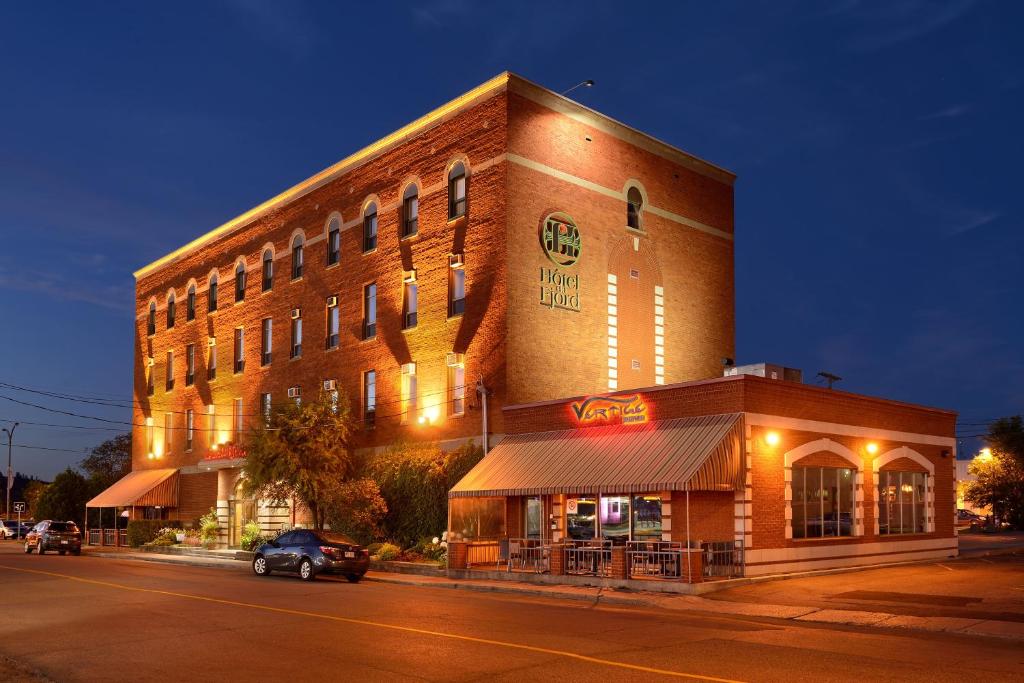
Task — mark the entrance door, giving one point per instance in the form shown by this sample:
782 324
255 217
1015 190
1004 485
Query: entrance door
239 512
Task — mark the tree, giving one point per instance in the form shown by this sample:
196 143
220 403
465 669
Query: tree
302 452
65 498
1000 476
32 493
109 461
358 509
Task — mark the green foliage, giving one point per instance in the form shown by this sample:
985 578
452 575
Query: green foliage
1000 479
357 509
32 493
388 552
65 498
302 452
414 480
109 461
252 535
373 548
142 531
209 527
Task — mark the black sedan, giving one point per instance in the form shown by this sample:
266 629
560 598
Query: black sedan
310 553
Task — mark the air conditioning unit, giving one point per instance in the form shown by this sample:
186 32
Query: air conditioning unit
456 261
453 359
294 392
408 368
296 313
331 302
149 361
410 276
330 384
212 341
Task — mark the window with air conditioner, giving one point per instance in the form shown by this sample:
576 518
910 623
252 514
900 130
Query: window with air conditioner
333 323
266 341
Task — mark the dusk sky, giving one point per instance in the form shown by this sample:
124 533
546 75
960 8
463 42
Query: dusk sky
877 147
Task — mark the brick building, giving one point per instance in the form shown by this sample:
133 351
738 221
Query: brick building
511 238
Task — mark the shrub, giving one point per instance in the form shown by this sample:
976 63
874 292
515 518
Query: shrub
142 531
373 548
357 509
209 527
252 535
192 538
388 552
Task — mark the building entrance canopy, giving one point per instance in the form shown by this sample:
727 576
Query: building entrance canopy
693 453
142 488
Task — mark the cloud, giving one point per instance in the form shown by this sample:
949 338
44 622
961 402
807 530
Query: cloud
57 286
890 23
440 13
285 25
973 219
952 112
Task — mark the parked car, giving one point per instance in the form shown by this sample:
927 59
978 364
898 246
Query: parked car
968 518
12 530
310 553
64 537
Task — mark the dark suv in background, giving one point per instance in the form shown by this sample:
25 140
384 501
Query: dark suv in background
63 537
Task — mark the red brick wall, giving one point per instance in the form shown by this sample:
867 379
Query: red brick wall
711 516
197 493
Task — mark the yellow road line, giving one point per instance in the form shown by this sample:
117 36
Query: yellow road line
377 624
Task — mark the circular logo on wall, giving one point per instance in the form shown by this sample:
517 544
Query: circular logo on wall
560 239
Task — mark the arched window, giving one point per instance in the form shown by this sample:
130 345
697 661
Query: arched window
297 257
268 270
370 227
634 207
333 241
170 311
211 294
410 211
151 322
190 303
240 277
457 191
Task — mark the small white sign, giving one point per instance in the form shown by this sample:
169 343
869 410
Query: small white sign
19 507
570 506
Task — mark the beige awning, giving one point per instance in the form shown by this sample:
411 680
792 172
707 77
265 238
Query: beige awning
142 488
695 453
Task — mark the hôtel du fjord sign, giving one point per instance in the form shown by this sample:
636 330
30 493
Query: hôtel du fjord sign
560 239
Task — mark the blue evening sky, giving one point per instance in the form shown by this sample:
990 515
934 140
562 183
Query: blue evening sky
878 147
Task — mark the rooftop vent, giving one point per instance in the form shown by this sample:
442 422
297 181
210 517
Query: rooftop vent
766 370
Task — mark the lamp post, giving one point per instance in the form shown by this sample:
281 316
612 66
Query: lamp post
10 441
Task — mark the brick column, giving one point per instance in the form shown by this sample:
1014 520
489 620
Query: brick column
458 553
618 569
556 562
696 567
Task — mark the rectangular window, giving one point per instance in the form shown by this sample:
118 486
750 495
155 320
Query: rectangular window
410 216
168 430
240 278
822 502
237 419
370 311
581 517
170 313
265 406
615 517
211 360
190 365
457 388
410 316
370 231
369 397
333 246
239 349
190 424
296 350
296 259
409 392
333 323
457 291
457 197
268 272
902 502
170 371
266 341
211 296
151 321
647 518
190 305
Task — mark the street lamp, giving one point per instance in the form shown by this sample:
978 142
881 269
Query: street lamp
10 482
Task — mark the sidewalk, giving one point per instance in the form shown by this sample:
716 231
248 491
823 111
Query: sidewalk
997 613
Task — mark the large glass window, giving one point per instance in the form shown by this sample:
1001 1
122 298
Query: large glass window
471 519
822 502
902 498
581 517
615 517
534 523
647 518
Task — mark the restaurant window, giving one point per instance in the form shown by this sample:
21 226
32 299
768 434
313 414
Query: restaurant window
534 522
457 388
410 211
211 360
902 500
581 517
333 322
296 347
457 191
190 365
333 242
615 518
297 257
370 311
170 311
237 419
266 341
409 392
168 430
211 295
268 270
646 518
634 207
369 397
240 279
370 227
265 407
151 320
190 303
456 290
410 305
169 380
473 519
190 425
823 502
239 349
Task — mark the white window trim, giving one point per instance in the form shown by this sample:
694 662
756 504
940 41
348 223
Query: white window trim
828 446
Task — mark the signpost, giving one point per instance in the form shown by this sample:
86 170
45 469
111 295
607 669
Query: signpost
19 507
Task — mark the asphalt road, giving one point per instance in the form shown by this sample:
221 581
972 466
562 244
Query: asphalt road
87 618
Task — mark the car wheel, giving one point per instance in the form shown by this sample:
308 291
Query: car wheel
354 578
306 572
39 548
259 566
28 548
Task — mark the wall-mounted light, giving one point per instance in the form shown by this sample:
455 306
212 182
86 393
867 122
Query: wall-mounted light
772 439
872 447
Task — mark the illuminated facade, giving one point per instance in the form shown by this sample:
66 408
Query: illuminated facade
511 238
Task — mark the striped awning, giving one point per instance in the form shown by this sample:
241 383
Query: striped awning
695 453
142 488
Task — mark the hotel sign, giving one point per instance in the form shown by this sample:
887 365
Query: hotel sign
560 239
610 410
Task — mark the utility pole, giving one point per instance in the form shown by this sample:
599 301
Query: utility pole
10 481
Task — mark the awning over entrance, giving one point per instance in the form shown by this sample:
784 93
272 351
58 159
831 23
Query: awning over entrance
142 488
699 453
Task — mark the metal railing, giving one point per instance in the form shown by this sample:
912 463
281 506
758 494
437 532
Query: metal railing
655 559
481 552
524 554
723 559
111 537
588 558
